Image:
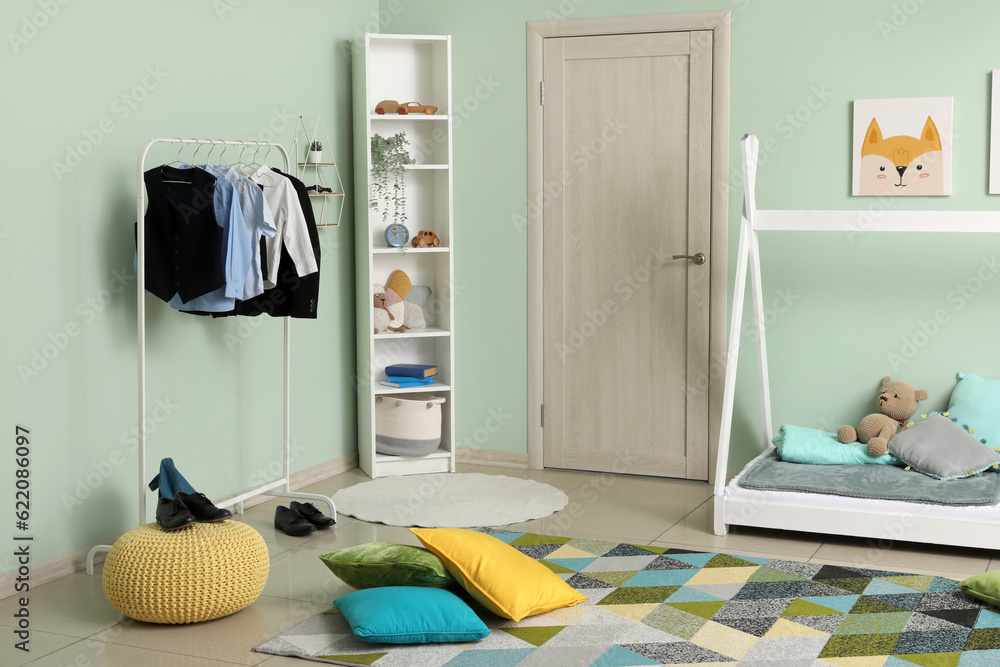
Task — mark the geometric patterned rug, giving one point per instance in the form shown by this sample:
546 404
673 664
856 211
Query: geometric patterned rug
660 606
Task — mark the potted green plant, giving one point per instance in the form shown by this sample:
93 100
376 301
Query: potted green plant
388 187
315 152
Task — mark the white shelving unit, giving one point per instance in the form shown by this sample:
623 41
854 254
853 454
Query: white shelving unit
406 68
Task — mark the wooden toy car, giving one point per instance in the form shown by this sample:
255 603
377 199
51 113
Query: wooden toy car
392 106
414 107
424 238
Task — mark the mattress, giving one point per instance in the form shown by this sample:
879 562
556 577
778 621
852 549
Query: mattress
820 501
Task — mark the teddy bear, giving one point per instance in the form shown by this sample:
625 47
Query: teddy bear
386 315
897 402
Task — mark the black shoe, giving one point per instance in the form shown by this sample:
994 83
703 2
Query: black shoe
291 522
312 515
173 514
321 189
312 188
202 508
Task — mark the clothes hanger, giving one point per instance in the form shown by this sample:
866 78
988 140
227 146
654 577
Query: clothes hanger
220 170
256 166
179 162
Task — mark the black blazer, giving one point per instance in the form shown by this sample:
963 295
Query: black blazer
293 295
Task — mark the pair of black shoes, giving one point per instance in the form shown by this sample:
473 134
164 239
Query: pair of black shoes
185 509
318 189
300 519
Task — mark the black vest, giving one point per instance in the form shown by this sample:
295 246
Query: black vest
185 246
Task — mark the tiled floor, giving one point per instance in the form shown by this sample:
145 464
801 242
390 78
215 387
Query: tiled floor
73 623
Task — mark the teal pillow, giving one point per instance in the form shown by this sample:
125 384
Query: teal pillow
975 406
410 615
984 586
385 564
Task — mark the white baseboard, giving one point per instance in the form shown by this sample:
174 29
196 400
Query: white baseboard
491 458
76 560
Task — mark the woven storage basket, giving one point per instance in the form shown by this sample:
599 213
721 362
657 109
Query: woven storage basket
205 571
408 426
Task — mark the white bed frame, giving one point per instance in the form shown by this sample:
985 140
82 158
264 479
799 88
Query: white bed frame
829 514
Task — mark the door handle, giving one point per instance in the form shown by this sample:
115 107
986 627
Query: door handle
697 259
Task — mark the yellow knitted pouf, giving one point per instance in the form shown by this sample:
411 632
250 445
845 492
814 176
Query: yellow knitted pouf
205 571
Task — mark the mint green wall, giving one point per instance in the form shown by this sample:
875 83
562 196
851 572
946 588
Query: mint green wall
63 242
228 69
850 305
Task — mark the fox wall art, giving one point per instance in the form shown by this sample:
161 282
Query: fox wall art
902 146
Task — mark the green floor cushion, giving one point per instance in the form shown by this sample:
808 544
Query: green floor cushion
385 564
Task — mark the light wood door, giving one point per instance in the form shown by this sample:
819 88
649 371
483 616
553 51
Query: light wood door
627 166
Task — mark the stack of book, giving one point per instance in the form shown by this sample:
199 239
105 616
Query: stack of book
409 375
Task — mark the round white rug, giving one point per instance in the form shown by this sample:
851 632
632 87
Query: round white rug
462 500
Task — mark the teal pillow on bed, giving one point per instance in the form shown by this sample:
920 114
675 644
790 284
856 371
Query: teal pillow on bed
800 444
975 406
410 615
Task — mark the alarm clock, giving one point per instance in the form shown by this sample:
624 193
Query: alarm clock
396 235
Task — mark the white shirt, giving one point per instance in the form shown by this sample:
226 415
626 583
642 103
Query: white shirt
290 223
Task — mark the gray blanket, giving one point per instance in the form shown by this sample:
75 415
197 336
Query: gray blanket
876 482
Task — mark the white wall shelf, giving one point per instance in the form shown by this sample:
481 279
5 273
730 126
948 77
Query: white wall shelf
317 173
406 68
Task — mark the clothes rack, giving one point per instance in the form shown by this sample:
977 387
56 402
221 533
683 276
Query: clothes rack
269 488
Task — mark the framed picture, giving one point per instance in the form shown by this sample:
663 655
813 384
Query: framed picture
995 135
902 146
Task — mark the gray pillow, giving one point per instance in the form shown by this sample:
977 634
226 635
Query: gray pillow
940 448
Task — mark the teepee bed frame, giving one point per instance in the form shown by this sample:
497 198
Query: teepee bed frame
884 522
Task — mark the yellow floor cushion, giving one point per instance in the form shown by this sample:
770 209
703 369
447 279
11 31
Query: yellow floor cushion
198 573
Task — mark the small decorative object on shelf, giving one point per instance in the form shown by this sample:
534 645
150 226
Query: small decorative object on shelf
315 152
388 186
396 235
392 106
424 238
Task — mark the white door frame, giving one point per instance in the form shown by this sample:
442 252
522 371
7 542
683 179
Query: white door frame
718 23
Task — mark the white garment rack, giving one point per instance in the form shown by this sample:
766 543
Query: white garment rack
827 513
270 488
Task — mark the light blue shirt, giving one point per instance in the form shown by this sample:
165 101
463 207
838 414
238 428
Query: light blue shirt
236 241
260 222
